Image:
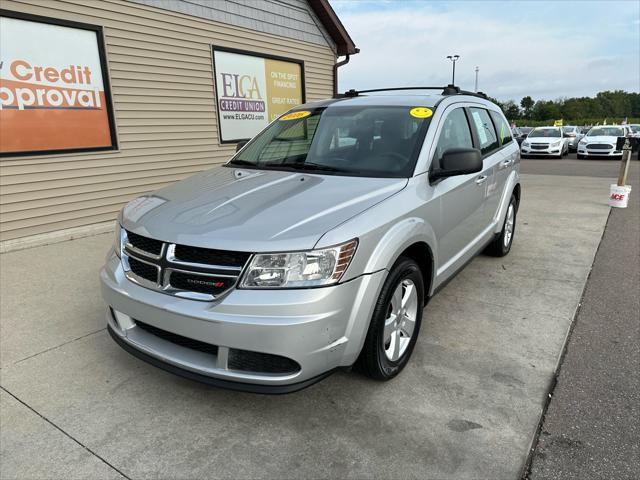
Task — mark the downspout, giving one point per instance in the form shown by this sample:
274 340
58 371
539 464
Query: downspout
335 74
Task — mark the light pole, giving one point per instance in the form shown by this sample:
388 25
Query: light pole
477 70
454 59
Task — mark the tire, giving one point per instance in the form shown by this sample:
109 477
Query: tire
501 245
386 351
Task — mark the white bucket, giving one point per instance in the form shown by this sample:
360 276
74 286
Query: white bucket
619 196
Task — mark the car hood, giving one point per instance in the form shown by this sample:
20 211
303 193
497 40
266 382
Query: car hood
254 210
545 140
601 139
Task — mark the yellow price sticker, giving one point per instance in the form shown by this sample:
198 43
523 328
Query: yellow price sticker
421 112
296 115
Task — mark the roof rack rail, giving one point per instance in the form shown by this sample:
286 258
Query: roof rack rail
446 90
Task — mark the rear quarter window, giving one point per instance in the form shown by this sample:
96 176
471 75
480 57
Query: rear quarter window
504 132
486 133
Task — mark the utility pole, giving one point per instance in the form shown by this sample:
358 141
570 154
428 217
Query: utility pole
454 59
477 70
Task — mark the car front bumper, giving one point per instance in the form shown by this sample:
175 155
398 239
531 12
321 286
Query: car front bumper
588 152
555 151
316 329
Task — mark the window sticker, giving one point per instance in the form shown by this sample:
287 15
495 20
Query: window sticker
421 112
296 115
480 127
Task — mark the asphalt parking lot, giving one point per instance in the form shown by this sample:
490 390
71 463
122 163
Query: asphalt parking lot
74 405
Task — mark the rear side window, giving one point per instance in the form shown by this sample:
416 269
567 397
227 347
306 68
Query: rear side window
455 133
484 129
504 132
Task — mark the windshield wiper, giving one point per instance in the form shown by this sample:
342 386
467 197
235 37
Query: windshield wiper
240 162
310 166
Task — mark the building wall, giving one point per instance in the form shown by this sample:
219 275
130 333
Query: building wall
285 18
161 75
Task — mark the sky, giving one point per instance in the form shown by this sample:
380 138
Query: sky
545 49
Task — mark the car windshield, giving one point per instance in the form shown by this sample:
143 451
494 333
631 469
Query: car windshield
526 130
635 128
569 129
606 132
550 132
374 141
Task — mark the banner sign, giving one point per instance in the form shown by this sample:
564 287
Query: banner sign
253 90
52 88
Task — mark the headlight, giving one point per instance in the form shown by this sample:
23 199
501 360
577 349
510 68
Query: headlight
583 141
299 269
525 144
118 239
556 144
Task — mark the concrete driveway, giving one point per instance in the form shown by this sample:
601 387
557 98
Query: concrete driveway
74 405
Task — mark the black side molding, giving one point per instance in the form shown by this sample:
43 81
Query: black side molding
216 382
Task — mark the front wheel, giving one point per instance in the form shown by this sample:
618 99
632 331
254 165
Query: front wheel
395 323
501 244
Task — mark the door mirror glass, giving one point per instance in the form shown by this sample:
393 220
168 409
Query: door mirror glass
458 161
241 144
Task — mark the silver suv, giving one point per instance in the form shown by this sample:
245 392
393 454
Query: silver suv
318 244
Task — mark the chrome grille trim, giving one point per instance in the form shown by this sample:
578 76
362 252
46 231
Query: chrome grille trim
166 263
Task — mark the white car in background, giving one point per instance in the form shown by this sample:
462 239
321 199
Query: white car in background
600 141
545 141
571 133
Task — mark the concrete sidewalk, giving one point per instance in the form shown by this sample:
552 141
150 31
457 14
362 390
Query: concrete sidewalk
76 406
592 426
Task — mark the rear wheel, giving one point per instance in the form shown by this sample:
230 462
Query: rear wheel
395 323
501 245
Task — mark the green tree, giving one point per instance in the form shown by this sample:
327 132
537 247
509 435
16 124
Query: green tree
546 110
511 110
527 105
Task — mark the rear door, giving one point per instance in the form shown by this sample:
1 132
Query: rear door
509 157
486 139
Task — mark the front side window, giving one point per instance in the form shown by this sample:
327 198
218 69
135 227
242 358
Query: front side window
484 129
504 132
375 141
455 133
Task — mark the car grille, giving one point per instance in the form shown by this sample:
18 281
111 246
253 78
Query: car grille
542 146
145 244
205 255
181 270
178 339
239 360
145 270
247 361
599 146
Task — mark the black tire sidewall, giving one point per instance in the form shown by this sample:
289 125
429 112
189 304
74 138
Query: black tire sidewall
404 268
507 249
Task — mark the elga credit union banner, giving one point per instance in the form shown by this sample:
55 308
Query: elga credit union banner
252 91
51 88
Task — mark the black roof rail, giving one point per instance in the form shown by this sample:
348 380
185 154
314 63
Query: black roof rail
446 90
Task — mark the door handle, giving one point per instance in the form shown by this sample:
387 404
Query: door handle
506 163
481 179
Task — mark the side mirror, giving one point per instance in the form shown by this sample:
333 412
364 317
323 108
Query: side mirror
241 144
458 161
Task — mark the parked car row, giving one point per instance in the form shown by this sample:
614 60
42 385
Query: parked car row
595 141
